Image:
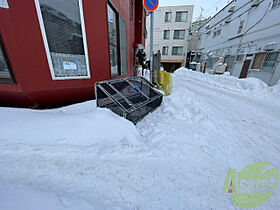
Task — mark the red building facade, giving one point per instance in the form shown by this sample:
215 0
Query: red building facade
52 52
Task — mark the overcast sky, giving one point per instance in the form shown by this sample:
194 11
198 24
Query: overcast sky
209 6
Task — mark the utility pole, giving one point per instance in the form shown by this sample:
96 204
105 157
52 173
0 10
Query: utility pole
201 11
187 47
151 46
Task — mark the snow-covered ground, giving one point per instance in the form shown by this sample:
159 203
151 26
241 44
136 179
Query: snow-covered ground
83 157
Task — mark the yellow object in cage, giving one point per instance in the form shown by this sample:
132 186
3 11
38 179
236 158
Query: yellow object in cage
165 82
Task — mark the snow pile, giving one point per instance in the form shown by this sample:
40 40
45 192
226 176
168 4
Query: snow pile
276 88
77 125
251 86
82 157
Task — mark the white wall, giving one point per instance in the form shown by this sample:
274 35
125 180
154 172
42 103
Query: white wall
262 24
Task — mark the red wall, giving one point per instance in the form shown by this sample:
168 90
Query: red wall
140 18
21 34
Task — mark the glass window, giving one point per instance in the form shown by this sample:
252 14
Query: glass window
123 45
276 3
5 75
62 24
258 61
166 34
270 61
168 17
117 42
113 41
181 16
179 34
177 51
165 51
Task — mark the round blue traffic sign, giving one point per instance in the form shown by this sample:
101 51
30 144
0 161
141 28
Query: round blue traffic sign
150 5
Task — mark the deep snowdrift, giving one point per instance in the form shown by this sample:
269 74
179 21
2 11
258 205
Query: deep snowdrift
77 125
82 157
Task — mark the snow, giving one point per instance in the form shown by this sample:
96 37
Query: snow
146 75
78 125
83 157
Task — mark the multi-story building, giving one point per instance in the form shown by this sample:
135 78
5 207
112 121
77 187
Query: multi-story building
247 35
171 34
199 23
194 32
53 52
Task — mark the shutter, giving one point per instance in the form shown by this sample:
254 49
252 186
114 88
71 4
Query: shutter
123 46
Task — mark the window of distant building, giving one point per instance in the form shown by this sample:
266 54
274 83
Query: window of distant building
165 51
241 26
265 61
166 34
276 3
117 42
168 17
177 51
5 71
179 34
64 36
181 16
270 61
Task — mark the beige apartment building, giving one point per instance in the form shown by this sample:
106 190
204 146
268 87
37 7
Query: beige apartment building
171 34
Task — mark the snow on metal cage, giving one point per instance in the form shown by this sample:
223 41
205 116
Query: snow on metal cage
131 98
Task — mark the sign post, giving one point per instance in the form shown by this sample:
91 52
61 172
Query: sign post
151 6
152 47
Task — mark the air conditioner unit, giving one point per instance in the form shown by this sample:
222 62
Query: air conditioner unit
256 3
207 27
208 32
232 8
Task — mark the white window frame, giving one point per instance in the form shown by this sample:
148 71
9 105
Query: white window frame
165 47
164 34
167 19
44 35
179 34
177 50
181 21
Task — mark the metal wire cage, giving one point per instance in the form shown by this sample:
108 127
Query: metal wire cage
131 98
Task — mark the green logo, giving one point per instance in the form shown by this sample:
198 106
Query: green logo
253 185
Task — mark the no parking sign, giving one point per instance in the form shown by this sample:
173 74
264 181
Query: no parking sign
150 5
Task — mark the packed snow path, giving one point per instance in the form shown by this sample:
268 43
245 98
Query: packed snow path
81 157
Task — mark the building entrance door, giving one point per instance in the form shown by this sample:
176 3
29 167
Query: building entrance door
245 69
